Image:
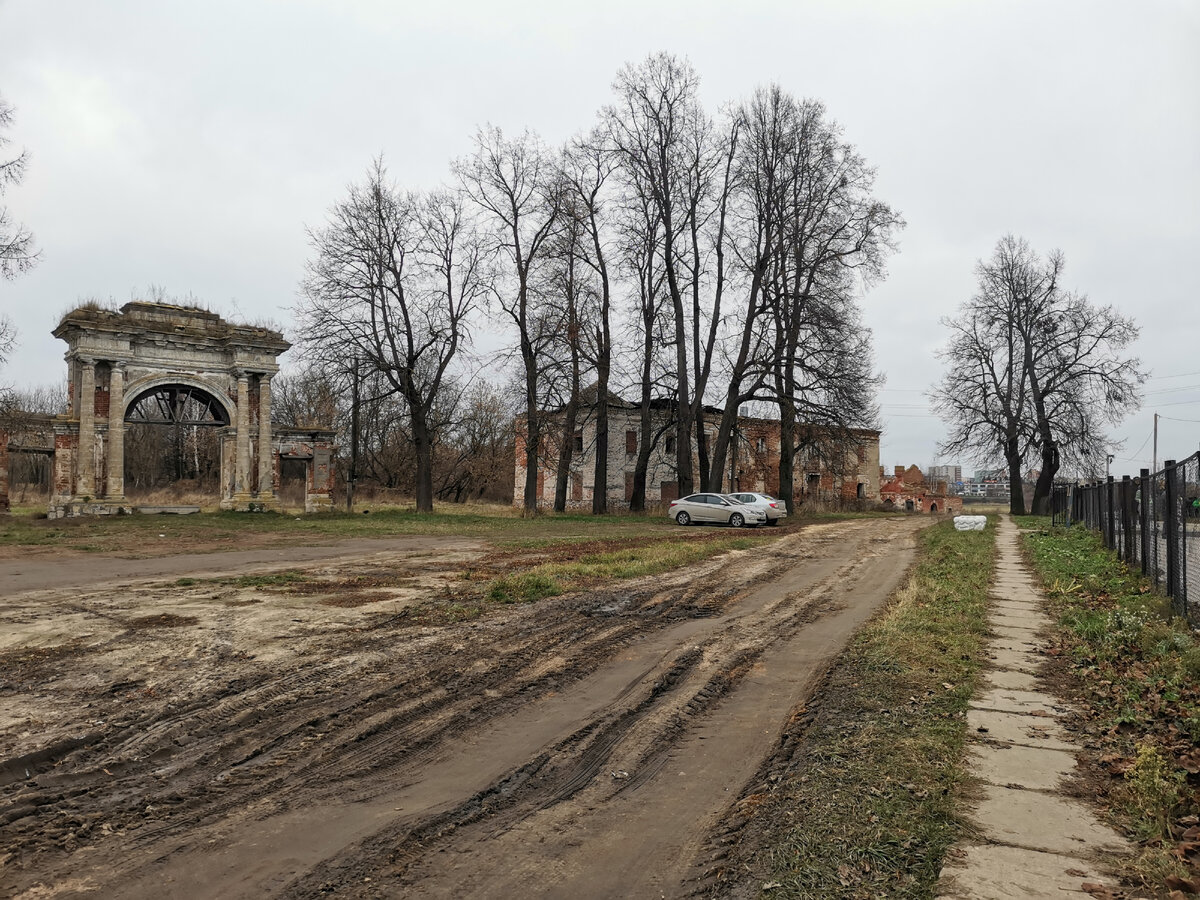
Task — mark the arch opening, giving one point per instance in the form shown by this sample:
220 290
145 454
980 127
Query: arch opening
173 442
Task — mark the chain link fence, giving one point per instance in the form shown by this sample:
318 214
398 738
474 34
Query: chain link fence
1151 520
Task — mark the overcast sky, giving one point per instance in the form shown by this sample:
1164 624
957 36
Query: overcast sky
188 144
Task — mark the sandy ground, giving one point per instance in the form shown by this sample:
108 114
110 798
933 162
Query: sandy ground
226 737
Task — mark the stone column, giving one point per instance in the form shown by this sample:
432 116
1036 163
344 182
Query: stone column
266 467
241 466
85 467
116 433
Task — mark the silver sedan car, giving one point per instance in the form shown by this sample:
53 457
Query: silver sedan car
772 508
700 508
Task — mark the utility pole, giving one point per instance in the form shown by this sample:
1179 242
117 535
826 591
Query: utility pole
1154 467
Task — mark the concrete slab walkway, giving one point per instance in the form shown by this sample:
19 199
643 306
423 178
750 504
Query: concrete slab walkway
1034 842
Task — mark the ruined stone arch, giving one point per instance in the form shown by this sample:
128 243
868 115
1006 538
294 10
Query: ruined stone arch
116 358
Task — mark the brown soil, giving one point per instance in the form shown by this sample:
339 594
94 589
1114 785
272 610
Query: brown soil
300 743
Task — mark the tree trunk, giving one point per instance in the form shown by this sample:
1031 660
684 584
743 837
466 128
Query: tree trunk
565 454
600 479
1044 487
423 445
725 431
787 452
1016 493
702 450
637 501
683 406
533 432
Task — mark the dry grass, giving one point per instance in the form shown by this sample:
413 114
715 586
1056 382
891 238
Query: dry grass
867 807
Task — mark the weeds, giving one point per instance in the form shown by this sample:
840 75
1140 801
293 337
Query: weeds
647 558
523 588
1154 787
272 579
1139 669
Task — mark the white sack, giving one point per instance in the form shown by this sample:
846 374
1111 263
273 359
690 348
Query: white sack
970 523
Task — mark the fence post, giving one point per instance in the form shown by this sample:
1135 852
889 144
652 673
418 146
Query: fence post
1144 518
1171 526
1110 529
1126 518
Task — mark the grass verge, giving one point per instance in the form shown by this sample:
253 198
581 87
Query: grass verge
866 807
144 536
646 558
1137 669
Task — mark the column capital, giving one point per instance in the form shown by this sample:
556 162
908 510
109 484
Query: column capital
86 360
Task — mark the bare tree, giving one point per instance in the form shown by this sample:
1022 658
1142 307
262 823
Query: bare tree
17 253
569 299
306 398
650 327
984 394
475 449
515 184
817 232
763 171
1072 355
664 142
588 164
1085 383
394 280
1034 369
825 381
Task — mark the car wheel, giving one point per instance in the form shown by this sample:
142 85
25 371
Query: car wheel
683 518
772 521
736 520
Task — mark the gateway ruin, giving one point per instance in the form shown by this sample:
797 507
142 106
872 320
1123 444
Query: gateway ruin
160 365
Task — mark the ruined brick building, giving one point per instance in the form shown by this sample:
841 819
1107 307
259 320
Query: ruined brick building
908 489
162 365
829 471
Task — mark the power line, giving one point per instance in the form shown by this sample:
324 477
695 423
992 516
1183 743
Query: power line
1181 375
1173 419
1177 390
1137 453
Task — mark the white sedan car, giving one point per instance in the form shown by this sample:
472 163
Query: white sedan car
700 508
773 509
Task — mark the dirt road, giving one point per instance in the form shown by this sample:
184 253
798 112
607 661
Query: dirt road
225 740
40 571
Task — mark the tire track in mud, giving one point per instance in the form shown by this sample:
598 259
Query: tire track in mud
355 728
548 791
229 727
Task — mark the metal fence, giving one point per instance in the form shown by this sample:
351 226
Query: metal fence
1152 521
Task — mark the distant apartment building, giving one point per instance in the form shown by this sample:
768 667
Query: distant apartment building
952 475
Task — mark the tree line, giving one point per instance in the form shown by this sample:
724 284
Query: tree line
664 251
